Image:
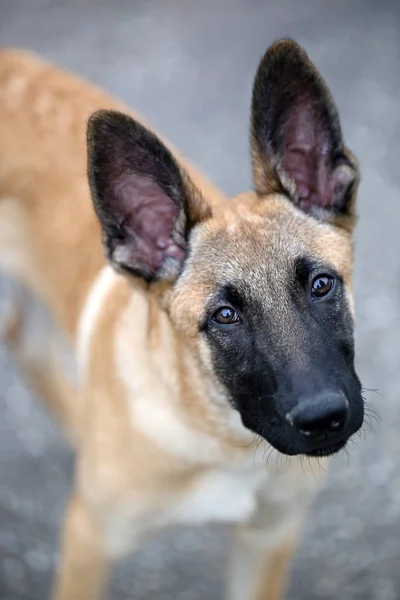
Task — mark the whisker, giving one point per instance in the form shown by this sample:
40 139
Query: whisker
372 411
302 458
376 391
259 441
269 455
322 468
348 455
368 425
353 441
267 447
361 434
309 462
246 445
272 451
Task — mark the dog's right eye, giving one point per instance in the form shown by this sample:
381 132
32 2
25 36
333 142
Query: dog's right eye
226 316
321 286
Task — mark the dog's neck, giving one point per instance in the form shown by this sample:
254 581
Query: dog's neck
128 346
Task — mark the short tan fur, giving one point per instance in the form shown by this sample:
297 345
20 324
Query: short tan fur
163 432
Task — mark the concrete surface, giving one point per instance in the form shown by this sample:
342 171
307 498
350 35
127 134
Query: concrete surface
188 66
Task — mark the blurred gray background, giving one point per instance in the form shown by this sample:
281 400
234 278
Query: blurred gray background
188 66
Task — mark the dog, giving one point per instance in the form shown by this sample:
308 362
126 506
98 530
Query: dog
199 325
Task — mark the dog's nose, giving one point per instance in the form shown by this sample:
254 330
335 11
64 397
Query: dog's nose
321 416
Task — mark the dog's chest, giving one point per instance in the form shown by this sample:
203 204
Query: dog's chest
217 495
234 495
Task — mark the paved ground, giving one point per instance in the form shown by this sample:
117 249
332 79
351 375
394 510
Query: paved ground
188 66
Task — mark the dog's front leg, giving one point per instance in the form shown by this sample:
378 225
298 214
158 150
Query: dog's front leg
84 565
261 556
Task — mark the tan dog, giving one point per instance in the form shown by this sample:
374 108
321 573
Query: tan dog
217 322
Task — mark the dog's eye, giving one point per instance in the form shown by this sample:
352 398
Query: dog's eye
321 286
226 316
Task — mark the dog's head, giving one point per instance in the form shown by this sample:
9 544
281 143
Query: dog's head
260 285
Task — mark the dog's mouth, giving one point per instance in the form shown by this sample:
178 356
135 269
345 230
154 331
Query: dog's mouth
327 450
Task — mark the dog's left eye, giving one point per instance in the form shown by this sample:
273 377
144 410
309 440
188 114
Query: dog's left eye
321 286
226 316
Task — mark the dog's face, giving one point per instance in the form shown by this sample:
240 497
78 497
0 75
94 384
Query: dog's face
260 285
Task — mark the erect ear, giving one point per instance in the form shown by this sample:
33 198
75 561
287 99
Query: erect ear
297 144
146 204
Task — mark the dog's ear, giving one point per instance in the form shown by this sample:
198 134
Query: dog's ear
297 144
145 202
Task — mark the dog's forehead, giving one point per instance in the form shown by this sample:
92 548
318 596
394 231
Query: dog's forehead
249 239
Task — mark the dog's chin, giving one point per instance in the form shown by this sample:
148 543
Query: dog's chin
321 452
296 447
287 442
327 450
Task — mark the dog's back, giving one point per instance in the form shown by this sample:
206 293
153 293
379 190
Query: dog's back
45 207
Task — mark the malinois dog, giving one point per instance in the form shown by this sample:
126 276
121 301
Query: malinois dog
216 322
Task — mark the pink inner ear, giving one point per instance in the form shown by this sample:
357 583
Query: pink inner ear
306 157
147 215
